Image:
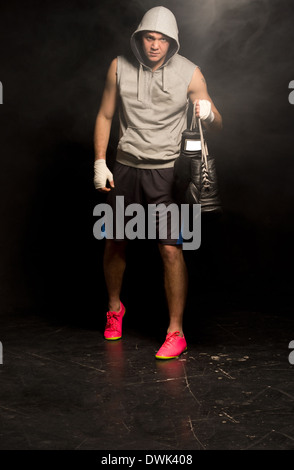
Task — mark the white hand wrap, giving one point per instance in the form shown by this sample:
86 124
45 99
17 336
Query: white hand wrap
101 174
205 111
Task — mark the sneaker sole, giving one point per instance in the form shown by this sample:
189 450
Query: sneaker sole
170 357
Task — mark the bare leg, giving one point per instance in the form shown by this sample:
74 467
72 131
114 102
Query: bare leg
176 284
114 267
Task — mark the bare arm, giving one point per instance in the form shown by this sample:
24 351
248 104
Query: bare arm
198 91
105 113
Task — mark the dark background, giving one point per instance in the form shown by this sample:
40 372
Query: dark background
53 61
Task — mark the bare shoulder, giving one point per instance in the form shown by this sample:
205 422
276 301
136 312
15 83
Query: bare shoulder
198 88
113 66
113 63
198 78
111 74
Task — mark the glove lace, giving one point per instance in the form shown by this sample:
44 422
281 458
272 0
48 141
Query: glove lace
204 151
205 177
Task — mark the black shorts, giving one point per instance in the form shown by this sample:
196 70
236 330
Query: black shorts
153 191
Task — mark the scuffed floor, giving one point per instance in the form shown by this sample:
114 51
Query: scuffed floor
64 387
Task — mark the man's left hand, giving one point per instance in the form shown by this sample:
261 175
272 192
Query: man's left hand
203 111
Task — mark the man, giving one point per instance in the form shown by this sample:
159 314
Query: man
152 89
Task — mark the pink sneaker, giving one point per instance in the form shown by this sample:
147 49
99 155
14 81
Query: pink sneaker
173 346
113 329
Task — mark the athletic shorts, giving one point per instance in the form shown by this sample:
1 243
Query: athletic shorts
143 205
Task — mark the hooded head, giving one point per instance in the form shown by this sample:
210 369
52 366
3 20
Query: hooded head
159 20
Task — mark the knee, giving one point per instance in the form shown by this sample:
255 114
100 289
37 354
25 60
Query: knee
171 253
113 247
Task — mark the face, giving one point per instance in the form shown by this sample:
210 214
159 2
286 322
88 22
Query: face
155 47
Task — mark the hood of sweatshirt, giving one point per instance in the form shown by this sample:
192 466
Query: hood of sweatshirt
160 20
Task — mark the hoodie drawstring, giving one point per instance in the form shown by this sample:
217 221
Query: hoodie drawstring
164 81
140 90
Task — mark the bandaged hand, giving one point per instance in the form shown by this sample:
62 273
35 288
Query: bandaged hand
203 111
102 174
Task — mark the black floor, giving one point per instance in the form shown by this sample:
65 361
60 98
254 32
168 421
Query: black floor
64 387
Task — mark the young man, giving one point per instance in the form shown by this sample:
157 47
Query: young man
152 89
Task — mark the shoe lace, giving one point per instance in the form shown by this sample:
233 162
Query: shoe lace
111 320
171 338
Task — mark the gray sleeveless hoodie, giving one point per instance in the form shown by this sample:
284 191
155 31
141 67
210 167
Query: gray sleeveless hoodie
153 105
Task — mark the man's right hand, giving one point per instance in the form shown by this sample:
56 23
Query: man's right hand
102 174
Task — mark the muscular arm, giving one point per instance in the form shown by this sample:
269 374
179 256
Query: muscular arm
105 113
198 91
